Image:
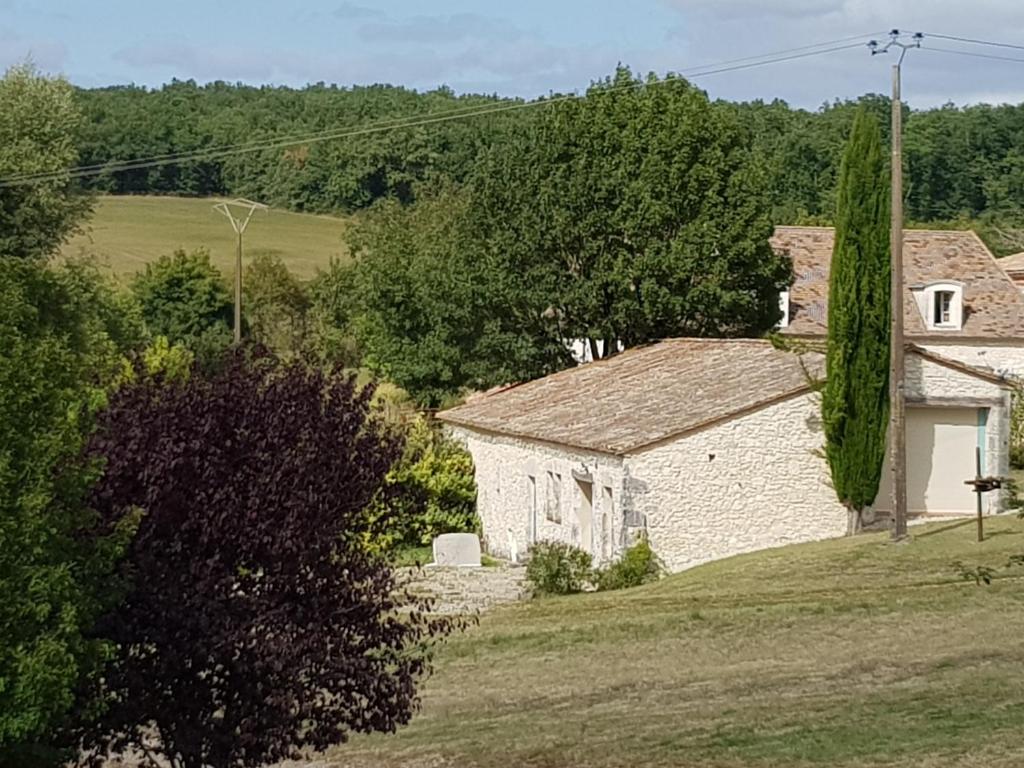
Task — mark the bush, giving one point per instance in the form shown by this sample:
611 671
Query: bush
557 569
256 624
430 491
638 565
184 298
275 304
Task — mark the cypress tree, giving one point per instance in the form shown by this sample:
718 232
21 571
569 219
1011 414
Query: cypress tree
855 399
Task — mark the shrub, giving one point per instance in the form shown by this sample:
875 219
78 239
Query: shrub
557 569
638 565
275 304
256 623
430 491
184 298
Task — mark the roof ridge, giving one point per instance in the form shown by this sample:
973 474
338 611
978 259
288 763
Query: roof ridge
717 339
906 230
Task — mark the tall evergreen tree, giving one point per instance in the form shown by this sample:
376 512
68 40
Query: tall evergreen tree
855 401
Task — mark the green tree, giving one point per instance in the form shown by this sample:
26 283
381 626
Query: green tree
55 567
435 315
38 122
184 298
855 399
333 306
633 214
275 304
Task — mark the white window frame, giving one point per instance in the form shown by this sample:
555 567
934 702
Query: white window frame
935 318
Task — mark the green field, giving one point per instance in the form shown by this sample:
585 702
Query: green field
128 232
854 652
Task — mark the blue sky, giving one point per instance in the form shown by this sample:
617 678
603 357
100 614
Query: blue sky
523 48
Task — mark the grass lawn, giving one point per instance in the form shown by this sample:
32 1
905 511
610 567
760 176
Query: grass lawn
854 652
129 232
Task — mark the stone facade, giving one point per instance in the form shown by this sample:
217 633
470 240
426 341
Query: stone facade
518 504
751 481
999 358
748 483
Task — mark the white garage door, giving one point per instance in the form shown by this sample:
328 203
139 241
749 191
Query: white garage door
941 446
940 456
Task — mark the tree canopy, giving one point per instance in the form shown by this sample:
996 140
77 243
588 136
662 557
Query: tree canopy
38 123
59 355
635 214
962 162
256 622
184 298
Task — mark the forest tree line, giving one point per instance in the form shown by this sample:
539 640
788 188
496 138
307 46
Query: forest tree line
963 164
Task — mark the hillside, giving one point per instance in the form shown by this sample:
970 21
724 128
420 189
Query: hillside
853 652
128 232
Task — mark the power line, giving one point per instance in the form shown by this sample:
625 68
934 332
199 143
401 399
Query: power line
731 65
974 41
461 111
193 154
972 54
395 123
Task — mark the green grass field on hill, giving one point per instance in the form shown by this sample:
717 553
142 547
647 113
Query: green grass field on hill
848 653
128 232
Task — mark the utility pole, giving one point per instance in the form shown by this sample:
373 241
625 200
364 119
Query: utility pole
897 372
239 223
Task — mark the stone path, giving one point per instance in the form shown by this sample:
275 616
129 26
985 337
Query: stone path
468 590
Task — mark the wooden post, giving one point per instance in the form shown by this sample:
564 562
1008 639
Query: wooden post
897 404
978 491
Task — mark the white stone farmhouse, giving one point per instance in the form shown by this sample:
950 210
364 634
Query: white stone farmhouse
712 446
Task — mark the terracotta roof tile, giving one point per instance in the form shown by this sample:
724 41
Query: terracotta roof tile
642 396
993 305
1014 263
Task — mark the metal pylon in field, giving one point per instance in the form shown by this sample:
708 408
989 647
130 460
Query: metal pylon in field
245 208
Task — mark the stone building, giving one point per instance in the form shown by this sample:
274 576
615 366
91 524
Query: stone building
713 446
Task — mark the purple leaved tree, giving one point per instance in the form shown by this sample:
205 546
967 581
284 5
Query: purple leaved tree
256 624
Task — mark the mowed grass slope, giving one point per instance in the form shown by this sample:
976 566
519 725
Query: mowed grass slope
854 652
129 232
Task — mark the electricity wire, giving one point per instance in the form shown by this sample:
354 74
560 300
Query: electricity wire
974 41
732 65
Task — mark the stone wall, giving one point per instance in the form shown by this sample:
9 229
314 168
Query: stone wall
749 483
512 507
995 357
468 590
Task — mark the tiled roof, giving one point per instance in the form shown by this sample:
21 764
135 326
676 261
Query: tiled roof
1014 263
642 396
993 305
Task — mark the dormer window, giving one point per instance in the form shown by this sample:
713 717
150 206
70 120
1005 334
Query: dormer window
941 305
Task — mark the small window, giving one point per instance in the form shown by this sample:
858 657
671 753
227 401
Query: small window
553 498
943 308
531 500
784 309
